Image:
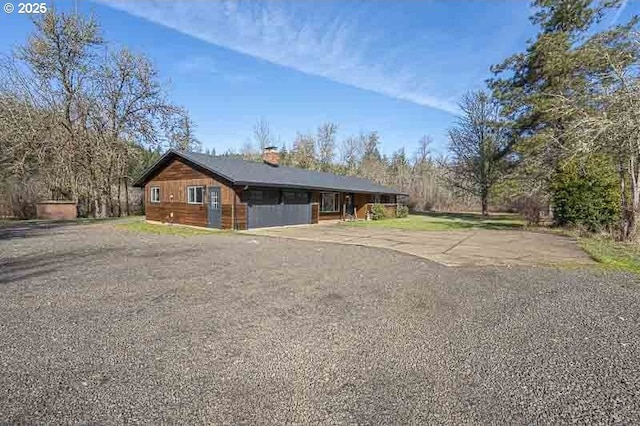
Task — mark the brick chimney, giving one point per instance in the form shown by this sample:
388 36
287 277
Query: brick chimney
270 156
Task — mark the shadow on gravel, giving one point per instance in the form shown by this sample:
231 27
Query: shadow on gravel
26 229
32 266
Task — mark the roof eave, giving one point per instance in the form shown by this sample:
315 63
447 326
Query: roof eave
145 177
151 171
316 188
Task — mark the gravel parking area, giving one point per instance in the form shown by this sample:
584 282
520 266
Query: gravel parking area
100 325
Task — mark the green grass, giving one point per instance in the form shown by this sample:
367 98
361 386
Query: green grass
436 221
161 229
611 254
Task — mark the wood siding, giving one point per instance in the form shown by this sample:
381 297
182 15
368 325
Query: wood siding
361 201
315 198
179 170
186 214
173 181
227 216
241 216
389 208
362 204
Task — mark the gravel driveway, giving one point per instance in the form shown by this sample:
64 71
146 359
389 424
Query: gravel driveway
99 325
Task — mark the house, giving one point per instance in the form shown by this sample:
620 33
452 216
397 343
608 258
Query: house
231 193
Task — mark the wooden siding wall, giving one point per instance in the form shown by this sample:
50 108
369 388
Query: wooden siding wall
241 216
361 201
174 180
178 175
389 208
315 198
186 214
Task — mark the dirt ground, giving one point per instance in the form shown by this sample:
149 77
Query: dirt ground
102 325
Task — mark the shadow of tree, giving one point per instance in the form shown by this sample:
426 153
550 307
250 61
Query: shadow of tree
32 266
27 228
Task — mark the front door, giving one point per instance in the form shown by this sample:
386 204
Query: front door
215 207
349 201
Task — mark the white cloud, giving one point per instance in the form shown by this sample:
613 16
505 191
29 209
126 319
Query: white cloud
292 35
207 65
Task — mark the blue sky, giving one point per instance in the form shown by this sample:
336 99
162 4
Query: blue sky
396 67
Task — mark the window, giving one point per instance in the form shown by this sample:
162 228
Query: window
256 195
155 194
261 196
329 202
195 194
295 197
215 202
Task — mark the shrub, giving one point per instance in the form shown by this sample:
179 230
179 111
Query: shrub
402 211
530 206
378 212
586 194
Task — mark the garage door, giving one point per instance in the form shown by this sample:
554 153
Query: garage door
278 208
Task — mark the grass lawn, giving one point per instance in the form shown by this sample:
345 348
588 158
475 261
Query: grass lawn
162 229
611 254
436 221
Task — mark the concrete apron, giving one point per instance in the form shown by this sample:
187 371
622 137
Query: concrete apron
450 248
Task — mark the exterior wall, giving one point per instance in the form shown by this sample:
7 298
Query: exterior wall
362 204
56 210
240 215
362 201
315 198
390 209
173 181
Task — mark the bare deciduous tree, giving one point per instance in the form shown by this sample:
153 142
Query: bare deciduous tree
304 152
326 145
262 134
478 147
92 113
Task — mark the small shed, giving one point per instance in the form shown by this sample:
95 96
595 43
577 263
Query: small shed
56 210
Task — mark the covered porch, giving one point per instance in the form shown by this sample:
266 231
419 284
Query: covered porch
350 205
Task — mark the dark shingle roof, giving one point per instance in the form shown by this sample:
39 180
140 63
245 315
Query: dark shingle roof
243 172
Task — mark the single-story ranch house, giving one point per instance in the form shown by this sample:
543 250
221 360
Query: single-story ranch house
230 193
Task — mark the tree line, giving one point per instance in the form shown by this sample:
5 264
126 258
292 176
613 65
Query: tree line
570 105
417 171
79 119
557 124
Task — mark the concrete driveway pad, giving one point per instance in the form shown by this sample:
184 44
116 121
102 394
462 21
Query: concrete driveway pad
451 248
